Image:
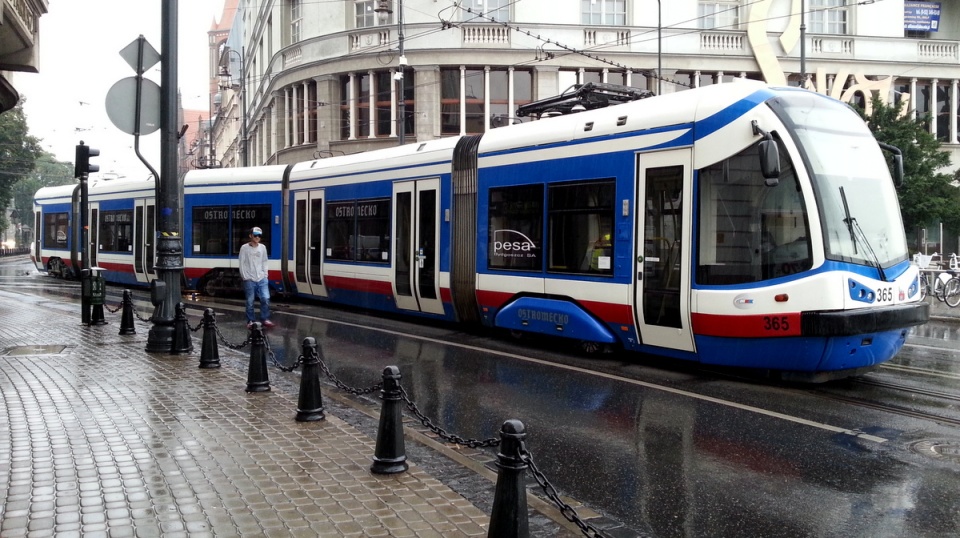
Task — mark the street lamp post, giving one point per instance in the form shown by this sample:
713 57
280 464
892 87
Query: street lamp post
383 12
803 44
225 83
659 48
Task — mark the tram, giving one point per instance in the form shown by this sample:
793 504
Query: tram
736 224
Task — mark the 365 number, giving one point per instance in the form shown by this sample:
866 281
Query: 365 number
884 295
776 323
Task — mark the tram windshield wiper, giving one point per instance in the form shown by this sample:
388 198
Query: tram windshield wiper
858 236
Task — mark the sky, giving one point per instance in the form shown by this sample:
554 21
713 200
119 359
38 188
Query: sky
80 44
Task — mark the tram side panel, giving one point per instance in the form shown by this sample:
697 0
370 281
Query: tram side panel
217 221
555 242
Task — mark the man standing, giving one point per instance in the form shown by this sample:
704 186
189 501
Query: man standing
253 271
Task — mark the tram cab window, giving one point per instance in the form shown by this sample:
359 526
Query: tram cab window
748 231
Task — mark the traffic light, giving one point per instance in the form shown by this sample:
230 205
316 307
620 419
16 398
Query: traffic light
82 166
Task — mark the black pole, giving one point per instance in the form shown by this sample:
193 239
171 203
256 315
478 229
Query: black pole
402 105
659 48
169 265
85 280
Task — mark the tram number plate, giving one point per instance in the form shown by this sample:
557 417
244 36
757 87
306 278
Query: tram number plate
885 295
780 324
776 323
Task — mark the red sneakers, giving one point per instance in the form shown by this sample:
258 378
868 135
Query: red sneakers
268 323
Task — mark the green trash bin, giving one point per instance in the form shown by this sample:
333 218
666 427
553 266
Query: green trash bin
93 285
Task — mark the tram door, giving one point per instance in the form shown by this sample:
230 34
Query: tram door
145 238
308 242
662 302
416 264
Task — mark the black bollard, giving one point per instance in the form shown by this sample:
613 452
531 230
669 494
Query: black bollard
390 455
508 517
257 380
310 403
126 317
209 352
182 342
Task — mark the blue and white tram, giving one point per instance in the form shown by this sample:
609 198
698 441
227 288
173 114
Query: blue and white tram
735 224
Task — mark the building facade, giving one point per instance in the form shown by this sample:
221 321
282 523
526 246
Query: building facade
19 43
301 80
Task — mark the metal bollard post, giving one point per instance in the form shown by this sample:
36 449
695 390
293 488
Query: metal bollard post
181 331
508 517
310 402
209 352
126 317
390 456
257 380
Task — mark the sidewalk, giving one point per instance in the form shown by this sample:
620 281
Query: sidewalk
100 438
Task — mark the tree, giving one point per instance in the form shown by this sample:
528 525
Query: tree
48 173
18 155
927 196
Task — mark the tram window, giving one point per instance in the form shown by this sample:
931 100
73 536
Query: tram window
55 230
358 230
748 231
116 231
581 227
211 228
245 217
515 228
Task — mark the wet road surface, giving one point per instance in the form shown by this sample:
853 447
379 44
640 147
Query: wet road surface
668 450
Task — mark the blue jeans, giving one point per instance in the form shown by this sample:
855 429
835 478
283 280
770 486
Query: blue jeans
257 289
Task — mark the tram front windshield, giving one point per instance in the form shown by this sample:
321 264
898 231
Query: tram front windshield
860 213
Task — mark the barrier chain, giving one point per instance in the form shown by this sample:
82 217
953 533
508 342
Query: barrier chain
342 386
552 493
197 328
471 443
113 310
276 363
228 344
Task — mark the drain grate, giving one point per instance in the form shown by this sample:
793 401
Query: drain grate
50 349
939 449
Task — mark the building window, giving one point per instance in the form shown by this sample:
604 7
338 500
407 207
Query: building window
719 15
604 12
379 85
476 105
490 9
296 20
358 231
366 16
829 17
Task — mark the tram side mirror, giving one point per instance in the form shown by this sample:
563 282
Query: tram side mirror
770 162
898 170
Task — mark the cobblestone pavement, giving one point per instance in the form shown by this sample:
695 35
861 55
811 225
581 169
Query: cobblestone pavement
100 438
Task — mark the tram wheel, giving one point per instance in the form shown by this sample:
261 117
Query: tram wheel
594 348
